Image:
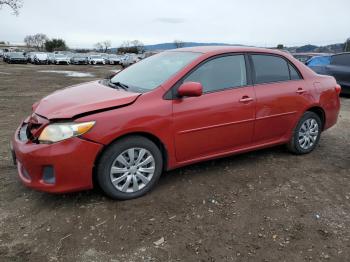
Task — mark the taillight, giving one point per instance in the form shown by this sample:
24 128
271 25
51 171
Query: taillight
338 89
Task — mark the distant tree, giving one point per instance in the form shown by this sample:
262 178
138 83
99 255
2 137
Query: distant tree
55 45
37 41
99 46
135 46
106 44
15 5
82 50
139 46
178 43
347 45
280 46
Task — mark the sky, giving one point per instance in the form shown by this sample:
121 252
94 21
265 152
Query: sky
82 23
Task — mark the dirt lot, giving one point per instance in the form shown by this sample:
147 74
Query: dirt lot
261 206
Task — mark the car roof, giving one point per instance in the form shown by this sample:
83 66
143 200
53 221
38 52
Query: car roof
228 49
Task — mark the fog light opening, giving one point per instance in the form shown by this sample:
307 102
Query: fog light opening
49 175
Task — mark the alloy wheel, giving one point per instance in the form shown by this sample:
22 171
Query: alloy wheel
132 170
308 133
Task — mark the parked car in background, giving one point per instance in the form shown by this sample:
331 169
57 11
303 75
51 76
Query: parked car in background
40 58
61 59
79 60
50 58
15 58
114 59
105 58
1 53
337 66
304 57
129 59
30 57
96 59
170 110
319 63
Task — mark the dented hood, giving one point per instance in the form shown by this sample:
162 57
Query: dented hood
82 99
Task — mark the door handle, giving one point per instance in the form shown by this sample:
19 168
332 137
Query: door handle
246 99
301 91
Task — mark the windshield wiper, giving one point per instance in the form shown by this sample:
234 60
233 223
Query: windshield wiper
124 86
116 85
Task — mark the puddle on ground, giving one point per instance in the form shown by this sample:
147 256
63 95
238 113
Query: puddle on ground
68 73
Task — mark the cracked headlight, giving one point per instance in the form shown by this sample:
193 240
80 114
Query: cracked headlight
60 131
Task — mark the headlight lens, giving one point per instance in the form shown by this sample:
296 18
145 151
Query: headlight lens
61 131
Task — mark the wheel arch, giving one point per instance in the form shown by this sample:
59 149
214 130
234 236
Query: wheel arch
320 112
159 143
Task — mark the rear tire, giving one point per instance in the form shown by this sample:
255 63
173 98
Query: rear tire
306 134
129 168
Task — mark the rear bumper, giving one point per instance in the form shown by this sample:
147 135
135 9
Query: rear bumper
71 162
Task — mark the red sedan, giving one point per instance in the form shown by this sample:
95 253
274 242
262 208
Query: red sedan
172 109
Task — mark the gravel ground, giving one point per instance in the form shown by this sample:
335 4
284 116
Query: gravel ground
267 205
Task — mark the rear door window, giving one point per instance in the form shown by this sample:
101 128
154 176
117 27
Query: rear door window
270 68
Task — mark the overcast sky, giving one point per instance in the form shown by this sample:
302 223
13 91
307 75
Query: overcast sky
82 23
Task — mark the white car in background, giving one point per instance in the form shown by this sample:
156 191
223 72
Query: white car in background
114 59
96 59
30 57
41 58
129 59
50 58
61 59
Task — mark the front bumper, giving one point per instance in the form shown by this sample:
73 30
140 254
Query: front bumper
62 61
71 162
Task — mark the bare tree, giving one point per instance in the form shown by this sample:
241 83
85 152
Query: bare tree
29 41
98 46
139 46
15 5
179 43
37 41
135 46
106 44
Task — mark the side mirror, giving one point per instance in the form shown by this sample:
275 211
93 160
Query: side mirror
190 89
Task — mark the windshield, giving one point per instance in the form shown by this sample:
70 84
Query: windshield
16 55
153 71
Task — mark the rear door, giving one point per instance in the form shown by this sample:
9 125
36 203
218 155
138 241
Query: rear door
281 94
220 120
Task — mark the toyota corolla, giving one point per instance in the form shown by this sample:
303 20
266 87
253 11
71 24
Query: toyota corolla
172 109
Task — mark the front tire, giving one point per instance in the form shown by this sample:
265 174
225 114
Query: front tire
129 168
306 134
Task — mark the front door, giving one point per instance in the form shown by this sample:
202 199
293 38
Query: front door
220 120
